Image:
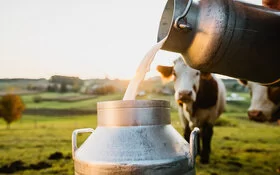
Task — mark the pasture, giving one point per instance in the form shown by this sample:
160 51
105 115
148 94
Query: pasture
40 144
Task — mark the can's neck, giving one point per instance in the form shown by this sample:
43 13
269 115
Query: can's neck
133 113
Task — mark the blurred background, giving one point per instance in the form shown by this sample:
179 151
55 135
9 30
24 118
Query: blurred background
85 38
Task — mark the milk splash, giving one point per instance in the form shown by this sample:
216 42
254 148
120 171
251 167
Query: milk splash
143 68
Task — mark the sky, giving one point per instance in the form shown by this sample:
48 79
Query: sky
84 38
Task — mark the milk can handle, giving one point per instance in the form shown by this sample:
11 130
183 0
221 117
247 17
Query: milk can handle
193 145
183 25
74 138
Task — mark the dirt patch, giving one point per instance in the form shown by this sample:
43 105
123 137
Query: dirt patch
255 150
56 156
15 166
214 173
235 139
234 163
224 157
19 165
226 138
68 156
59 155
40 165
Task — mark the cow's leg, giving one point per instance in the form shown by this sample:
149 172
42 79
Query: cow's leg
187 133
206 134
186 126
184 123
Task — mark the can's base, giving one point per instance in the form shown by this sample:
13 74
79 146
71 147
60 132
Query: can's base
177 167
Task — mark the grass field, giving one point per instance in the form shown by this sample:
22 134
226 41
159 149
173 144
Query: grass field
85 104
239 146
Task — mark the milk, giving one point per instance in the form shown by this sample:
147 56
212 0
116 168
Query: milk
142 69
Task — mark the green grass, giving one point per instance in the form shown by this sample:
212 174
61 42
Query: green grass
85 104
239 146
247 148
35 138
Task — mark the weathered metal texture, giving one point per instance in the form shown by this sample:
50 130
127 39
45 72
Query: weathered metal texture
226 37
134 143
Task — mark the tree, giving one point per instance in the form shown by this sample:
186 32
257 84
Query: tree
52 88
11 108
75 82
63 88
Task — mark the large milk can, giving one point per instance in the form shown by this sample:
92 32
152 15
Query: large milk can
134 137
228 37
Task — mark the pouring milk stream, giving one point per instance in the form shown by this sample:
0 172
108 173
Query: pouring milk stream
143 68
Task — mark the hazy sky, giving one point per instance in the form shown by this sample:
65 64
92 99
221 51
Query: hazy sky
85 38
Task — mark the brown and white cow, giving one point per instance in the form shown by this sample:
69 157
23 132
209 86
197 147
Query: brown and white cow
265 102
201 99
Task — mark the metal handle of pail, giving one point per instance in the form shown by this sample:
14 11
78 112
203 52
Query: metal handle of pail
74 138
193 145
178 23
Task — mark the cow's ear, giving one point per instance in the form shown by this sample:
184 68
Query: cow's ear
242 82
166 71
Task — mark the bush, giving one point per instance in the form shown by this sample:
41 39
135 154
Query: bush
102 90
37 99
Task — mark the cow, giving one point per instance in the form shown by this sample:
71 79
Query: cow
201 99
265 102
274 4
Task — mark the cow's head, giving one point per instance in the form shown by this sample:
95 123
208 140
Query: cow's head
265 102
186 80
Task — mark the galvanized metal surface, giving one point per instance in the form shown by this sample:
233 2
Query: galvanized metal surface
150 148
226 37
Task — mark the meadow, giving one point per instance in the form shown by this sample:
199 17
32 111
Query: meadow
38 144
